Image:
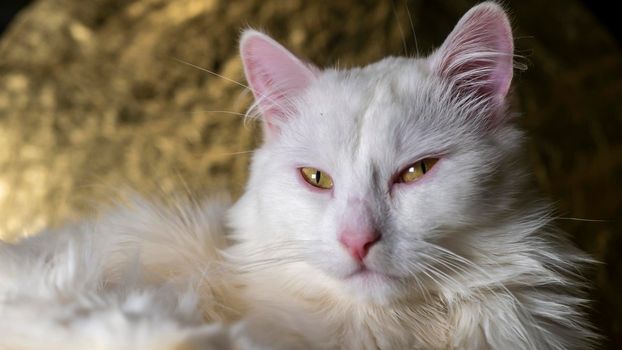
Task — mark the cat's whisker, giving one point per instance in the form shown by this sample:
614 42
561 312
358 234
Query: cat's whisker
229 113
287 243
449 281
424 270
399 26
261 254
224 112
412 28
233 153
210 72
255 259
260 97
268 249
268 263
578 219
439 260
461 271
427 297
487 286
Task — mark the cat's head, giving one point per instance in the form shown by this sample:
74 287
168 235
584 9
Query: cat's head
367 174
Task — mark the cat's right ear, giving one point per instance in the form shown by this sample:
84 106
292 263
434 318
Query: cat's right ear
275 76
477 56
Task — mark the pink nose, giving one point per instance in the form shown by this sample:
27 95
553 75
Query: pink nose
359 243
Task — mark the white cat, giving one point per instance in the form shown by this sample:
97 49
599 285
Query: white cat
388 208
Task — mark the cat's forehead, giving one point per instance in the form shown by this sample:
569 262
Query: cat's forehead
374 111
386 82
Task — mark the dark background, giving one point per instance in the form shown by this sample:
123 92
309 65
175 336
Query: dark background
8 10
604 10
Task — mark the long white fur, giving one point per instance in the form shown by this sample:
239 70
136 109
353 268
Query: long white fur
131 280
474 258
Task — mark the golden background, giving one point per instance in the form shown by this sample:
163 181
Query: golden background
93 100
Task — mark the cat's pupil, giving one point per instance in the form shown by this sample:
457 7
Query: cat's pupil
316 176
423 167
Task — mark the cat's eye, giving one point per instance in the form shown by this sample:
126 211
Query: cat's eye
417 170
316 178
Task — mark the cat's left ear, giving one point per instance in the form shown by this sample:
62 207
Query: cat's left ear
477 56
275 76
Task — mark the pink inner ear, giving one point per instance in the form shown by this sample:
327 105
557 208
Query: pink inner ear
274 74
477 55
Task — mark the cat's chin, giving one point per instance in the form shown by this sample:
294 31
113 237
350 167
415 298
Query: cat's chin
366 274
369 285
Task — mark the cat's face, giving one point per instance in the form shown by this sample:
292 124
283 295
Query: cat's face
367 174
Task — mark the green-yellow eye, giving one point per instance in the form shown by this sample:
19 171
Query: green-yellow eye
317 178
417 170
